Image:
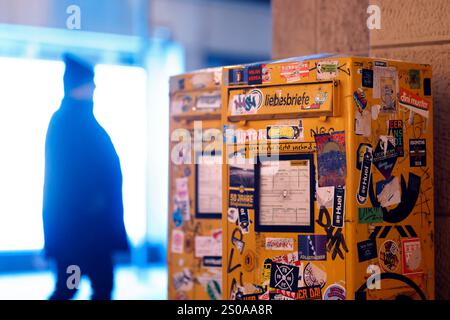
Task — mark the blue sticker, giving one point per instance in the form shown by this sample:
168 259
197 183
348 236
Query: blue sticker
177 218
312 247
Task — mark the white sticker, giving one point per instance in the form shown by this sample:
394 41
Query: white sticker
375 111
363 123
390 194
232 215
280 244
384 75
325 196
207 246
177 241
247 103
209 101
327 70
183 281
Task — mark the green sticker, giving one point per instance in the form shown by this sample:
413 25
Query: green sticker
370 215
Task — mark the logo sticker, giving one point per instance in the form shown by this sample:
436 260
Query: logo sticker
312 247
339 207
367 250
414 103
396 130
280 244
294 71
177 241
417 153
309 293
285 132
364 179
367 78
385 156
314 276
284 277
370 215
389 256
334 292
248 103
327 70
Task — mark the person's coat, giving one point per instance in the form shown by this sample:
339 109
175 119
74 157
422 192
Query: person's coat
82 209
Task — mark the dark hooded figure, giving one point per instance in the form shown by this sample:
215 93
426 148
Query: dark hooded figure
82 210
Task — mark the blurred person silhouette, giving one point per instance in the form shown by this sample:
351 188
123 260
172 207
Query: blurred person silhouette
82 209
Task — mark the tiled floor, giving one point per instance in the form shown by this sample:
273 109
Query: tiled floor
131 283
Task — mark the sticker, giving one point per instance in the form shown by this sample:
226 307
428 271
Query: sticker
182 104
212 261
242 185
266 74
232 214
249 261
309 293
181 197
187 171
265 279
183 281
312 247
209 101
427 87
385 156
248 297
396 130
414 103
237 241
254 75
389 192
202 80
314 276
251 135
364 179
388 95
360 154
327 70
284 277
236 76
380 63
284 132
207 246
331 159
363 123
294 71
367 250
325 196
243 219
334 292
280 244
290 258
414 79
412 256
375 111
177 218
188 243
385 83
389 256
213 289
360 98
177 241
417 153
338 207
319 99
248 103
367 78
370 215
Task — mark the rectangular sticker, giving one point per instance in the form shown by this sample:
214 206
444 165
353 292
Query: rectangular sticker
312 247
177 241
242 186
412 256
396 130
207 246
294 71
367 78
331 159
327 70
338 207
284 277
389 192
367 250
212 261
309 293
285 132
209 101
417 153
370 215
280 244
415 103
364 178
254 74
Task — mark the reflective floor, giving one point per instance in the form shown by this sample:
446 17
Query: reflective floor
131 284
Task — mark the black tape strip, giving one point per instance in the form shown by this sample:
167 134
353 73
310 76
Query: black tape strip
375 232
411 231
401 231
385 232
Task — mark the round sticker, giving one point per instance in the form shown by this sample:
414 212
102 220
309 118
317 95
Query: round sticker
389 256
334 292
314 276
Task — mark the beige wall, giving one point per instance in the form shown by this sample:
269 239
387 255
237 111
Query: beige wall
414 30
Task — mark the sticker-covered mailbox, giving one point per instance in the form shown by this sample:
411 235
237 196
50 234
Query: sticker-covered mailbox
195 195
328 180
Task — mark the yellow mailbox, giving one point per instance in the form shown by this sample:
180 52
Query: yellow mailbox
328 180
195 196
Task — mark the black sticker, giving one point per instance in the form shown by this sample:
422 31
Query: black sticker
364 179
338 207
367 250
396 130
212 261
244 221
360 154
241 296
236 76
284 277
367 78
385 157
417 153
427 87
254 74
380 63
